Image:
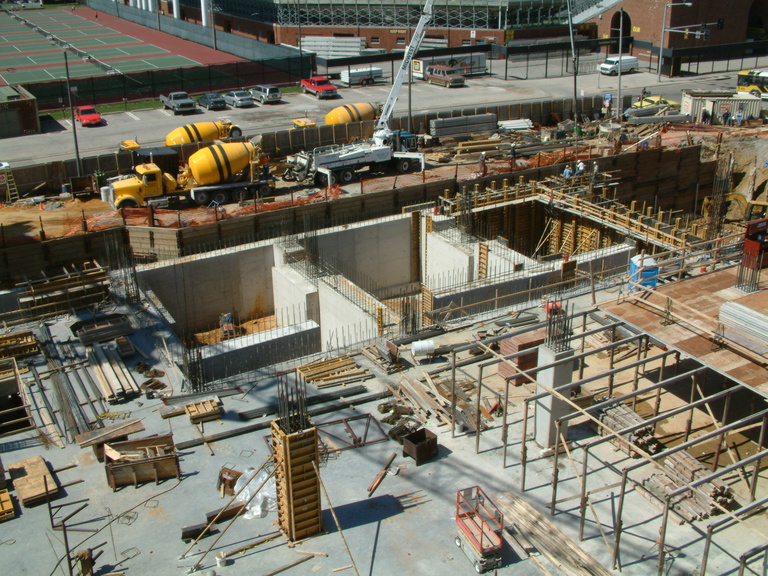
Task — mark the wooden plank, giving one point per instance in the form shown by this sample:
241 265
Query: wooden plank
109 433
29 480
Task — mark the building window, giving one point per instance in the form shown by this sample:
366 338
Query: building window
375 40
466 42
400 42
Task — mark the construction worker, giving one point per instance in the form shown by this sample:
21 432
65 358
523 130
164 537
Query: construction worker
567 173
580 167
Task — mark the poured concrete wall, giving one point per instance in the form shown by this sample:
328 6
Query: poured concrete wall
378 251
197 289
294 293
342 322
446 263
239 355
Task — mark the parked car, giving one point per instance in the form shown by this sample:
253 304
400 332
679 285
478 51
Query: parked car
212 101
238 99
654 101
266 93
87 116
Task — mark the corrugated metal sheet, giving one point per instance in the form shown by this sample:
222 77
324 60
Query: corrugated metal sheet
463 125
746 320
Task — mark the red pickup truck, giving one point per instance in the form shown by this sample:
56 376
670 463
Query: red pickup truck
320 86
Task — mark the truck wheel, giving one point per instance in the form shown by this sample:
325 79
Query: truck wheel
235 132
346 176
478 568
306 91
265 190
127 204
403 165
458 541
221 197
202 198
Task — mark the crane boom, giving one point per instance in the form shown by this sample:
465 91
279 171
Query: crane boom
410 52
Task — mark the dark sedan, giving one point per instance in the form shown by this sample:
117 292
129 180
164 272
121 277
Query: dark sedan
212 101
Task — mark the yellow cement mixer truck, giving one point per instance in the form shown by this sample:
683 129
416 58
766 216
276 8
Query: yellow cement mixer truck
196 132
221 173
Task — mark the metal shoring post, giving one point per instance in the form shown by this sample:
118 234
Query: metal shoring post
707 544
637 370
582 360
662 536
524 446
721 438
504 427
453 393
584 493
753 483
610 362
619 522
657 405
555 471
477 416
689 421
111 535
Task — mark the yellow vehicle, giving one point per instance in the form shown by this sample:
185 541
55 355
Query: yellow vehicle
753 210
649 101
197 132
753 81
219 173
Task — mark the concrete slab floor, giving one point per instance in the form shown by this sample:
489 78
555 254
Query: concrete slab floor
407 527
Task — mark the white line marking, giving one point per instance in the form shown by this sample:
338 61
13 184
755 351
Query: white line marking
133 116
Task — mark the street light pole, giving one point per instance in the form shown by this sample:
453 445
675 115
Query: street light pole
663 30
72 113
621 50
301 52
574 62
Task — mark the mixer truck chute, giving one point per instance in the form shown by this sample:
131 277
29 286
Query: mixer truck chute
220 173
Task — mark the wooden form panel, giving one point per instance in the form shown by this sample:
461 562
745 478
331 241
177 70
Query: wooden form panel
299 509
138 461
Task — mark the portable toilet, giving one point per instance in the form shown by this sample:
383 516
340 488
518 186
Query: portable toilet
645 277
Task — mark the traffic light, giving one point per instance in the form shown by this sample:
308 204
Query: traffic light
721 24
706 34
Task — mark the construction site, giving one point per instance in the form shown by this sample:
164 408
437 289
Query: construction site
485 366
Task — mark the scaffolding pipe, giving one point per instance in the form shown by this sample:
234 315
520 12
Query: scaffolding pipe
722 522
695 484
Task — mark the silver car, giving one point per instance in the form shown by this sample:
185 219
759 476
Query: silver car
266 93
238 99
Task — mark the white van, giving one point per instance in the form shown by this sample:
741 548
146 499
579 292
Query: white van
611 65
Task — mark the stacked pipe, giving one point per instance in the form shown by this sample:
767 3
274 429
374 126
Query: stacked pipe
698 504
620 417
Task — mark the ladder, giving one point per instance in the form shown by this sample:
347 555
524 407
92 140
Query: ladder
6 177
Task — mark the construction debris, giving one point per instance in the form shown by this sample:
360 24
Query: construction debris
137 461
18 344
33 482
204 410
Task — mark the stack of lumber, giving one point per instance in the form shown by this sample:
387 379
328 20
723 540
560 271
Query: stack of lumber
203 410
109 434
535 528
124 347
102 328
18 344
30 478
526 362
680 469
112 377
463 125
619 417
430 400
60 294
333 372
386 356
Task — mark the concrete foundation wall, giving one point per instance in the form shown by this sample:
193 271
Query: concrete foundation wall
503 259
342 322
254 351
293 292
608 260
377 251
447 264
195 291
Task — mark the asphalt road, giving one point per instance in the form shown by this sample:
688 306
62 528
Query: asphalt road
149 127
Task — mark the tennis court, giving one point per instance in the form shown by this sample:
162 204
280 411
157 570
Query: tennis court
32 50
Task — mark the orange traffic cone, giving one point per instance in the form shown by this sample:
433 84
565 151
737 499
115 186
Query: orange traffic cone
41 205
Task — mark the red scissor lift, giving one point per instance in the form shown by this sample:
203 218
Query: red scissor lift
480 524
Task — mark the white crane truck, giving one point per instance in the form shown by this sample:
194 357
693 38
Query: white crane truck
387 150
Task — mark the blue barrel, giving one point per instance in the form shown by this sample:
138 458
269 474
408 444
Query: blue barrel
66 188
645 277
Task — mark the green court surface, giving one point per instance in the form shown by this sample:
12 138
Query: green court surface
81 43
22 47
79 69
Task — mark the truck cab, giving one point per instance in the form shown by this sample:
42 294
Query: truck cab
139 190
